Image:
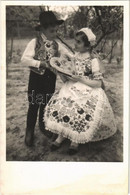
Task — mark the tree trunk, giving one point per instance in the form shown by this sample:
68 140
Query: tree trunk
6 59
110 59
111 53
11 49
9 58
103 45
18 30
121 49
65 29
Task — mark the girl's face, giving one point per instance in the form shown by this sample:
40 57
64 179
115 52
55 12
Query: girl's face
50 32
79 45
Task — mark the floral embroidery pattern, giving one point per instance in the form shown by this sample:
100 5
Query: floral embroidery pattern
62 114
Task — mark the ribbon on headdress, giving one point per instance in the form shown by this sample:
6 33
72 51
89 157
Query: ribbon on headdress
91 36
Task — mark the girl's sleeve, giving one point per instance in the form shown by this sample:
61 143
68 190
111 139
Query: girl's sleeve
96 69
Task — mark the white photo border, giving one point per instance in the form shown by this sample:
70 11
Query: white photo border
39 177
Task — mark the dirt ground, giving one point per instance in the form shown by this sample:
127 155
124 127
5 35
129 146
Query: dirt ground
110 150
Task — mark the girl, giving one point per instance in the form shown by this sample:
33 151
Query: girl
80 111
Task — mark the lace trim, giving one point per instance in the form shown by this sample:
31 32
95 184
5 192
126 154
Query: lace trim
76 138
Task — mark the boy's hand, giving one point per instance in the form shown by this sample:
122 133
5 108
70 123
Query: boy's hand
53 70
43 65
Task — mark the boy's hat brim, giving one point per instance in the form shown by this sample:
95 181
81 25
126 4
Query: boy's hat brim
48 17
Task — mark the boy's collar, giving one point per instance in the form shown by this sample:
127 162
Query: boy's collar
43 36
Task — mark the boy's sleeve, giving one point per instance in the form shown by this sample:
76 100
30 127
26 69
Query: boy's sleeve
28 55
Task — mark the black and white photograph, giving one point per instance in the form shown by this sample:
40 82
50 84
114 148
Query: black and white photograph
64 83
64 97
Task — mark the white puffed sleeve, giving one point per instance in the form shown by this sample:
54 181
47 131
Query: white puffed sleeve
96 70
28 55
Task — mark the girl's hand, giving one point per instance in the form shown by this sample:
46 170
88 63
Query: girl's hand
51 68
74 78
63 77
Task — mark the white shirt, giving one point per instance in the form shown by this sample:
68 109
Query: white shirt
28 55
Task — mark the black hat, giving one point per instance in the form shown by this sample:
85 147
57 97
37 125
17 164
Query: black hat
48 18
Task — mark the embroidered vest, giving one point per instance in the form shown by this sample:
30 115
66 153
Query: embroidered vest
44 51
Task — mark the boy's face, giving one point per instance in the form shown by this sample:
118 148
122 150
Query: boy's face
50 32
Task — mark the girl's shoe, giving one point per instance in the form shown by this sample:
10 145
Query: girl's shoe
73 149
55 146
57 143
54 137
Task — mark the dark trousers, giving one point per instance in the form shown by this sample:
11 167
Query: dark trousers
40 90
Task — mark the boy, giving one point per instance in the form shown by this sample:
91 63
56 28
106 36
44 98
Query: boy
41 80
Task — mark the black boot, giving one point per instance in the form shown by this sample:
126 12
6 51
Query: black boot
29 137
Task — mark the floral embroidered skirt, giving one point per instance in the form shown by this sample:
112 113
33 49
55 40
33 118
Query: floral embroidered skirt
80 113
